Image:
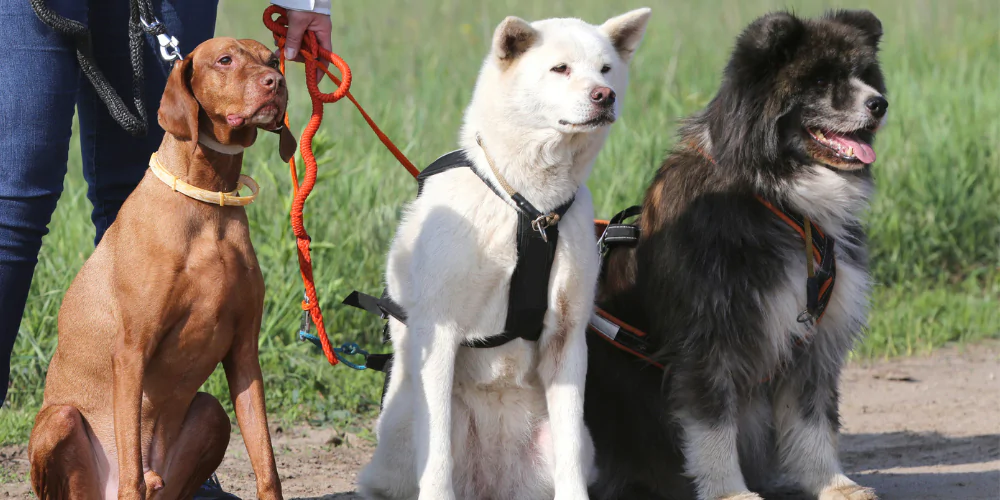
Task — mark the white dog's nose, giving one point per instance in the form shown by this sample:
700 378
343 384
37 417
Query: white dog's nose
602 96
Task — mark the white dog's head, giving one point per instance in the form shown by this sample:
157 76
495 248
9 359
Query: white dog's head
563 75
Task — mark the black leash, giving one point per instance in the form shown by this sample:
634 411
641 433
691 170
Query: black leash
141 21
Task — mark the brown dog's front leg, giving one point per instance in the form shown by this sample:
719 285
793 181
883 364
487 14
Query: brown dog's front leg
128 367
246 387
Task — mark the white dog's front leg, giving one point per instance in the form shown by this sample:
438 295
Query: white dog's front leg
563 371
431 367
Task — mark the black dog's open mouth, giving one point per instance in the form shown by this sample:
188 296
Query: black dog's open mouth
847 148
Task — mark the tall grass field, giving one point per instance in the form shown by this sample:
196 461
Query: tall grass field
934 224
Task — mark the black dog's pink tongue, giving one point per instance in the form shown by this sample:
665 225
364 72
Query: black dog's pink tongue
862 151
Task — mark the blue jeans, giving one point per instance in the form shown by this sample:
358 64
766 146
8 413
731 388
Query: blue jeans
40 86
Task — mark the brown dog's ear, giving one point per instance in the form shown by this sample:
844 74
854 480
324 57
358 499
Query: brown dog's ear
178 114
286 143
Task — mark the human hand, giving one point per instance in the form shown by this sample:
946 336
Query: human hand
298 23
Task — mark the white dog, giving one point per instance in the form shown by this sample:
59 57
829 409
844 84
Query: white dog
502 422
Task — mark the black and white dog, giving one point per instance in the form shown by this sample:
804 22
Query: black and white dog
718 279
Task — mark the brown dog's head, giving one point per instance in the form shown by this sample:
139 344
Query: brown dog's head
228 88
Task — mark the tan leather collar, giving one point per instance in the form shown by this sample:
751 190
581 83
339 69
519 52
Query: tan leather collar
223 199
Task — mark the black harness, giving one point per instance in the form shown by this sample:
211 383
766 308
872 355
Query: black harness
528 297
819 286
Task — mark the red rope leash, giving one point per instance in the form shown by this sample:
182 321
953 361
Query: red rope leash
313 53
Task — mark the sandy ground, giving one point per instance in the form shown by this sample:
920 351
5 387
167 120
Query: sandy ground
920 428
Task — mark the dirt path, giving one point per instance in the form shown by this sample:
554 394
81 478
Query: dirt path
925 428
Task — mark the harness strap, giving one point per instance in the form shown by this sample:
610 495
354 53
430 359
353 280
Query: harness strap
621 335
820 281
537 238
617 233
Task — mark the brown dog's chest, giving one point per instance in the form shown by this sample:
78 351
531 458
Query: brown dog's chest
219 297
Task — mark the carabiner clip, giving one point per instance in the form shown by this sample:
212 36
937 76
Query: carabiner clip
350 349
168 44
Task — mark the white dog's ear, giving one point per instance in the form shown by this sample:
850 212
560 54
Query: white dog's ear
626 31
512 38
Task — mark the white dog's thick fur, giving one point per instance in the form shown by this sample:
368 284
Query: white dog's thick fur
504 422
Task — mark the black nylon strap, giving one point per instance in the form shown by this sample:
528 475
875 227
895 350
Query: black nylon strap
383 306
378 362
620 234
529 286
819 288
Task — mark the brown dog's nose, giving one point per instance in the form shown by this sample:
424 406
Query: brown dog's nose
603 96
272 80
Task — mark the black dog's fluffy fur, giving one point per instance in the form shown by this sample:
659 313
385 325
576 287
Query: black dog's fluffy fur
716 272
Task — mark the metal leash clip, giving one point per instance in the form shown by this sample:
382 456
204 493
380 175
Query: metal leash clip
305 326
807 319
542 222
169 50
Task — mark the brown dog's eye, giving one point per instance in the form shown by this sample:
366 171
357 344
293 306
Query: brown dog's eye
561 68
225 60
273 63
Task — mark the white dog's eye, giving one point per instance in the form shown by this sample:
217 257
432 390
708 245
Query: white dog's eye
605 68
560 68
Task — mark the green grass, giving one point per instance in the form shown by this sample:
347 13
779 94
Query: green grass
935 224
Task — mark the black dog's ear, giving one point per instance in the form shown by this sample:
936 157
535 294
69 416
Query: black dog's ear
863 20
771 39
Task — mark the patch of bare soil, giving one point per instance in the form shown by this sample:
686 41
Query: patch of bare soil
921 428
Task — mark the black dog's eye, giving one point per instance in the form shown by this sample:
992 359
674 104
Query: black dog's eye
605 68
820 81
225 60
560 68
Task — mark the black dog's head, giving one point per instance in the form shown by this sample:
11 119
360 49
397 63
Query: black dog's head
801 92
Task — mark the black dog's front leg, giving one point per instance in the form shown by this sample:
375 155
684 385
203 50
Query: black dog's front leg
807 424
706 404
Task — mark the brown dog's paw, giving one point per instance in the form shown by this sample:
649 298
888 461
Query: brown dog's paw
153 480
848 492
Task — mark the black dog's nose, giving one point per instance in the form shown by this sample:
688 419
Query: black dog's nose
877 105
603 96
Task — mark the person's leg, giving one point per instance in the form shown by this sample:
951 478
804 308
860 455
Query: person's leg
113 160
39 75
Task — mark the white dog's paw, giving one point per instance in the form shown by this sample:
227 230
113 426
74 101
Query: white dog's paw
572 494
744 495
848 492
437 495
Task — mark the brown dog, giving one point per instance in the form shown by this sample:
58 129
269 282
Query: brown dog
173 289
